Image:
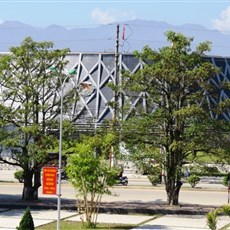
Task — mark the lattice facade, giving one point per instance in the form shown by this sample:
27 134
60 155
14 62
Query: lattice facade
94 72
217 80
98 69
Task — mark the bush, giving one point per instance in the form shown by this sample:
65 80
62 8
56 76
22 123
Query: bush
193 180
154 179
212 219
212 216
205 170
210 170
154 174
226 179
26 222
19 175
226 209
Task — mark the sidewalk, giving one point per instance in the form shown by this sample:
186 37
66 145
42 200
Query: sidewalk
10 219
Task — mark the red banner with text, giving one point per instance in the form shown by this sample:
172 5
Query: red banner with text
50 180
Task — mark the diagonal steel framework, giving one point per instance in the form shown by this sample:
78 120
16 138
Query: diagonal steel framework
96 70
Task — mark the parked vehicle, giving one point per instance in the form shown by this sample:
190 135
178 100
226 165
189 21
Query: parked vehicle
123 180
63 175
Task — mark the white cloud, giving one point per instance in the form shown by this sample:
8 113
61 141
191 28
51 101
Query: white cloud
1 21
111 15
102 17
223 23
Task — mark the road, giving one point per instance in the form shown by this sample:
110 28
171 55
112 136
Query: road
213 195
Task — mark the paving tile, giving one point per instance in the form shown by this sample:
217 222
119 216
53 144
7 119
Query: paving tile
10 219
182 222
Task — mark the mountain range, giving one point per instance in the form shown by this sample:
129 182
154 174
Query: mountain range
130 35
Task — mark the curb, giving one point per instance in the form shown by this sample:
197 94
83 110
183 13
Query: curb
146 208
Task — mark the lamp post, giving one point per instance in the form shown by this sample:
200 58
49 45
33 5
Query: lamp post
70 72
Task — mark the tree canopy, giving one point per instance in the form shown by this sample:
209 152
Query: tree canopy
30 105
177 120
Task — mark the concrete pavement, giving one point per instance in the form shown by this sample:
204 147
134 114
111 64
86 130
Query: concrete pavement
10 219
182 222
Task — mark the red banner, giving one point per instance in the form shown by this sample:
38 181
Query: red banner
50 180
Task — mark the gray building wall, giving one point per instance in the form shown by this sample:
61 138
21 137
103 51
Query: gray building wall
98 69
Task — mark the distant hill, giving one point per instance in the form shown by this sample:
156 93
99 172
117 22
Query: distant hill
138 33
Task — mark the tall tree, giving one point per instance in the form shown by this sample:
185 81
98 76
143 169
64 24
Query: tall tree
176 121
30 106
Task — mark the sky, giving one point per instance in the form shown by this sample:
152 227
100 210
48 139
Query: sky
213 14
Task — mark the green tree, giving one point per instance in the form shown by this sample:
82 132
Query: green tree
27 221
30 108
89 171
175 85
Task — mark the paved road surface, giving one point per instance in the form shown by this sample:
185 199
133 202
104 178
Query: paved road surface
215 195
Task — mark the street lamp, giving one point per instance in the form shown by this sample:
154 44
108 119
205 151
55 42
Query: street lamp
70 72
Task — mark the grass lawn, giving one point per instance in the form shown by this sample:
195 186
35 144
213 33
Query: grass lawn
70 225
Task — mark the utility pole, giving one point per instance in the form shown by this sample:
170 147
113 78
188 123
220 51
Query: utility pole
116 94
116 75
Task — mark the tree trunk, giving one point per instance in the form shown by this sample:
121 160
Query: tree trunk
30 191
173 193
27 193
37 182
173 184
